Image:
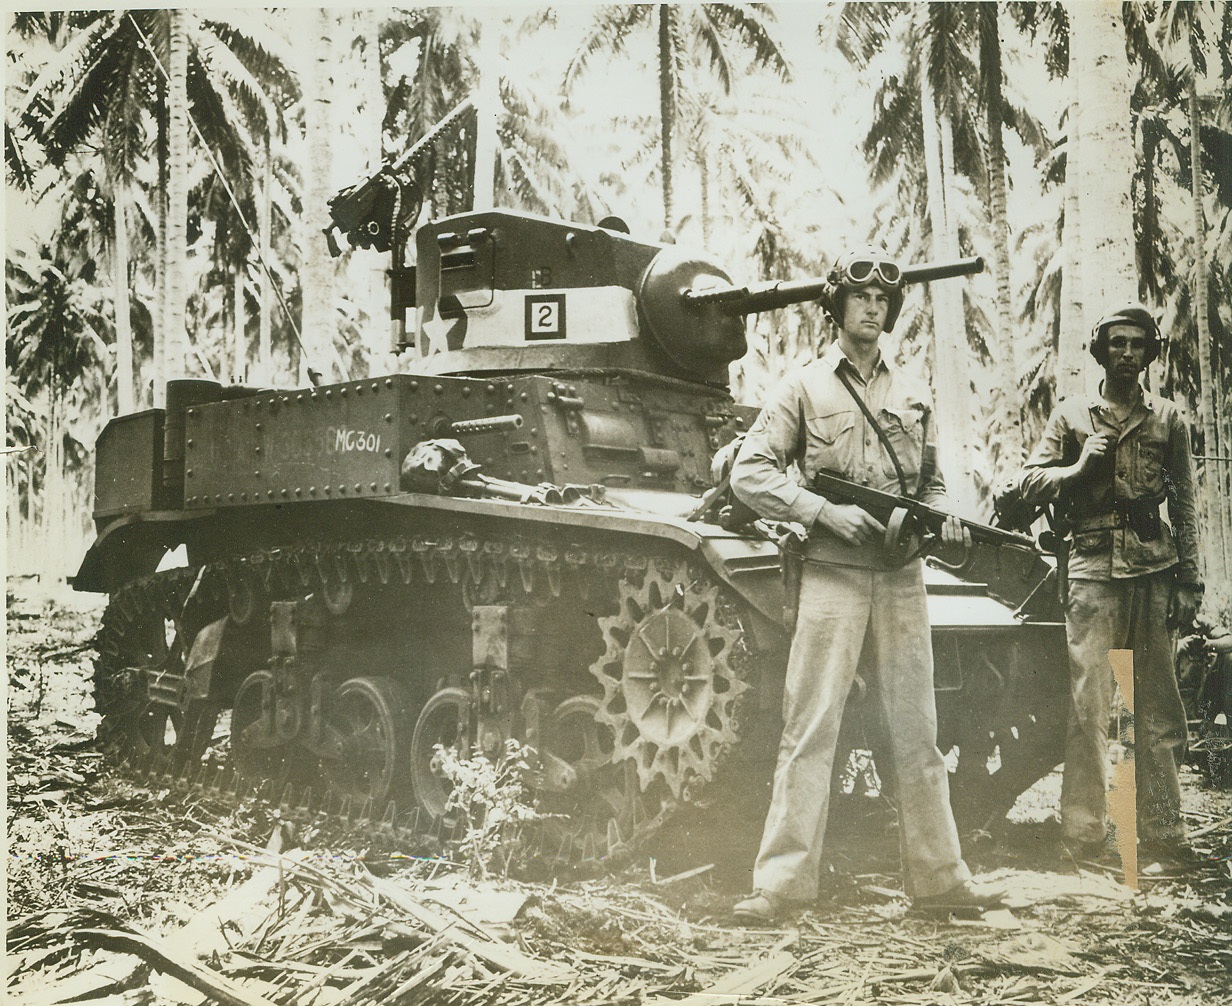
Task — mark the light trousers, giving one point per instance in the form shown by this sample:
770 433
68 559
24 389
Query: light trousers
1126 614
845 611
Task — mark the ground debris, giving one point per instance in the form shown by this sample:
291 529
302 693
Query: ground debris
124 896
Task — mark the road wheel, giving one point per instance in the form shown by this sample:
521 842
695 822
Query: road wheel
369 714
254 750
443 722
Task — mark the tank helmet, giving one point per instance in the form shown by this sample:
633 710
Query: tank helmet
1137 315
860 267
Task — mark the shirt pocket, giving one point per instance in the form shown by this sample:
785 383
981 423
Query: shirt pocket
1148 465
831 442
904 429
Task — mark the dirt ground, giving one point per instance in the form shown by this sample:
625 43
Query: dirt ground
124 894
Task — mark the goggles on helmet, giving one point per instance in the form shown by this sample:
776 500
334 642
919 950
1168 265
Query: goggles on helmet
862 271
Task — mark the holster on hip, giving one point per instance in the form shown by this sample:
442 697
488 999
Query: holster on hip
791 568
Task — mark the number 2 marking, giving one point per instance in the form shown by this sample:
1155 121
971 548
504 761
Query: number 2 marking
545 316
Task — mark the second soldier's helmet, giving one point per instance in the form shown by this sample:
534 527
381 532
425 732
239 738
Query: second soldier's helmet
1131 314
861 267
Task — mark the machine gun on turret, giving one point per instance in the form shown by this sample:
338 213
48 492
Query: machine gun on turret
379 211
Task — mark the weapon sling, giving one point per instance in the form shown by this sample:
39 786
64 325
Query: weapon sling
885 441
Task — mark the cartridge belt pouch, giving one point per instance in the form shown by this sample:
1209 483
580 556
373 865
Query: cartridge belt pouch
1140 516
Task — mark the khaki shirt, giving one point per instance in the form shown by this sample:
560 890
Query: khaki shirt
769 477
1152 462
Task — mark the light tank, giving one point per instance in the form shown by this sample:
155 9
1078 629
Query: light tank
519 537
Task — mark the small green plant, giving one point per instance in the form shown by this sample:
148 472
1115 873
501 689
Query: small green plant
492 802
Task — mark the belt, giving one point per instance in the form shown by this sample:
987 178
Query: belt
1123 516
1101 521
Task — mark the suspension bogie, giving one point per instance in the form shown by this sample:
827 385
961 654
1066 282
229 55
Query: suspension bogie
360 685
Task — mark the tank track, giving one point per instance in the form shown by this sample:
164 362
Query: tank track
172 756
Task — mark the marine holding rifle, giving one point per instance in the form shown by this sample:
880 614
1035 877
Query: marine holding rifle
855 414
1108 462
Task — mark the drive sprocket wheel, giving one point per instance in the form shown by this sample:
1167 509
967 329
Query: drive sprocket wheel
670 688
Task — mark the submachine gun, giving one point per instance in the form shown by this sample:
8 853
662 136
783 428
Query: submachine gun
1004 560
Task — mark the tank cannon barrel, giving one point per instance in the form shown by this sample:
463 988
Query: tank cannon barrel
757 297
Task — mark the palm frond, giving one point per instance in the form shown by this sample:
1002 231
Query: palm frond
608 32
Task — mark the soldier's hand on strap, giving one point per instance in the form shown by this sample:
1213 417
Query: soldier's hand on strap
851 523
1097 446
1183 605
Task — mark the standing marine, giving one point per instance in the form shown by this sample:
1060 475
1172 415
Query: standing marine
854 413
1109 462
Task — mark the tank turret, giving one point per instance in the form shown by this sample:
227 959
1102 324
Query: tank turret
501 291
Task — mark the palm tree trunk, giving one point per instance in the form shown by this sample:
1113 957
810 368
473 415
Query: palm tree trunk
52 551
368 25
950 386
667 109
1105 175
158 362
239 317
1011 405
264 363
1070 369
487 145
177 199
17 484
317 273
49 469
123 318
704 177
1213 491
377 337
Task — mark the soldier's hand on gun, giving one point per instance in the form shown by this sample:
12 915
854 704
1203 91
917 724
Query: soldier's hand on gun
955 541
1097 446
954 533
851 523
